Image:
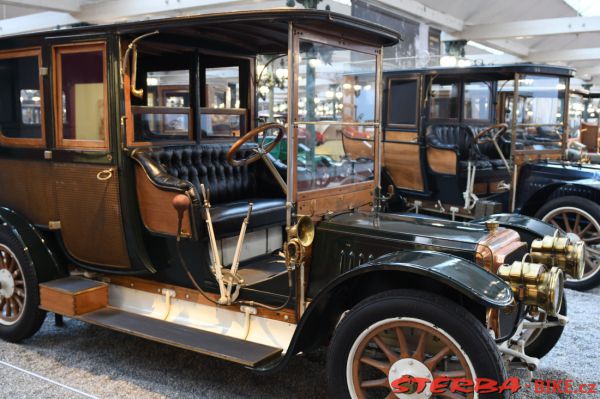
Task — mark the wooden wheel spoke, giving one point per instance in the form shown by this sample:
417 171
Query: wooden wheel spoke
576 227
565 217
419 353
390 354
379 383
555 224
404 351
382 366
450 374
433 361
585 229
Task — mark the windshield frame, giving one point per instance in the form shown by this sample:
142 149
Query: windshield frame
296 35
516 153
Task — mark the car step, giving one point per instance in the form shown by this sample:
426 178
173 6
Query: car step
235 350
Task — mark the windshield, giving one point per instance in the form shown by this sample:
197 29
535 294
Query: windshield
539 112
336 111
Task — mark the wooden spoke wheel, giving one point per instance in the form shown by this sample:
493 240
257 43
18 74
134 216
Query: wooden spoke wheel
392 336
577 221
12 287
397 348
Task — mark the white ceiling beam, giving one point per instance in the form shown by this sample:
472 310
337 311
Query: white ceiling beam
579 54
433 17
35 22
54 5
531 28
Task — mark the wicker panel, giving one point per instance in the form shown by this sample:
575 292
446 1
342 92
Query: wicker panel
90 214
28 188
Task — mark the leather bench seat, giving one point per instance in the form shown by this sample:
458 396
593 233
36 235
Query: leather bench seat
230 188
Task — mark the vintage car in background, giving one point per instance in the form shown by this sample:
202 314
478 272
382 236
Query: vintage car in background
141 197
482 140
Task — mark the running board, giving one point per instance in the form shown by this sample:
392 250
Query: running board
235 350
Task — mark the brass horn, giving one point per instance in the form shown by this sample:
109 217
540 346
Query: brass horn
303 230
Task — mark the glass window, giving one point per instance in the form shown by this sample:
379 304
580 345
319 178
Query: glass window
443 101
221 123
272 85
166 114
20 97
82 96
223 87
539 111
402 102
477 99
335 86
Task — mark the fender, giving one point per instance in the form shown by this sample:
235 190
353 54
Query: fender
428 270
46 264
528 228
529 202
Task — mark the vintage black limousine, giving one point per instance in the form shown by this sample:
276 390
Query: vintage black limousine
138 194
476 141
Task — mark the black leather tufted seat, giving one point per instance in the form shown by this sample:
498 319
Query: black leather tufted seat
231 188
460 139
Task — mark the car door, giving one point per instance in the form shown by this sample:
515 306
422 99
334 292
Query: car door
85 173
402 155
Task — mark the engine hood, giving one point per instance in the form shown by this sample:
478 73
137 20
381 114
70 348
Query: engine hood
589 174
423 231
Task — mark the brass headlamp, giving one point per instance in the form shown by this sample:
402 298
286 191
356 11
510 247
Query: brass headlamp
532 284
300 238
562 252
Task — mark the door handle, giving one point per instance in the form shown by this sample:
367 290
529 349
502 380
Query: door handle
104 175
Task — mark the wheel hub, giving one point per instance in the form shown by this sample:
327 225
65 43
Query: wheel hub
412 368
7 284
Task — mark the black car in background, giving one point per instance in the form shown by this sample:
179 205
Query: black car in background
476 141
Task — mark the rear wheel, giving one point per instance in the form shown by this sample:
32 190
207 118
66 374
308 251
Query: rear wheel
581 217
20 316
409 333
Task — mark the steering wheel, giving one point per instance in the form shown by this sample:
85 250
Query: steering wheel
500 127
260 150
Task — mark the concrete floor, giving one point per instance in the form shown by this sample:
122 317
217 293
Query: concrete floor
105 364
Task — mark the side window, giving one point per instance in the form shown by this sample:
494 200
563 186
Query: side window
222 116
402 102
165 114
477 101
21 111
443 101
80 96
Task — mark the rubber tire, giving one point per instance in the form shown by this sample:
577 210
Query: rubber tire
469 332
590 207
549 336
33 317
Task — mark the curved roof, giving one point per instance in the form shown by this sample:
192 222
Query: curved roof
495 70
250 31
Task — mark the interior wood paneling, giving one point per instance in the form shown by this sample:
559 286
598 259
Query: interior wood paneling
520 159
403 163
392 135
319 202
28 188
90 214
158 215
442 161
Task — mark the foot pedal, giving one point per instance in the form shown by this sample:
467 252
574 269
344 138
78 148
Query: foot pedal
73 296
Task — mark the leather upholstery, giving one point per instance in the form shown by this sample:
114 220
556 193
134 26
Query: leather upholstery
230 188
453 137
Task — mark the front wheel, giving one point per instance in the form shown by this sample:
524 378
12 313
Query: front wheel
581 217
409 333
